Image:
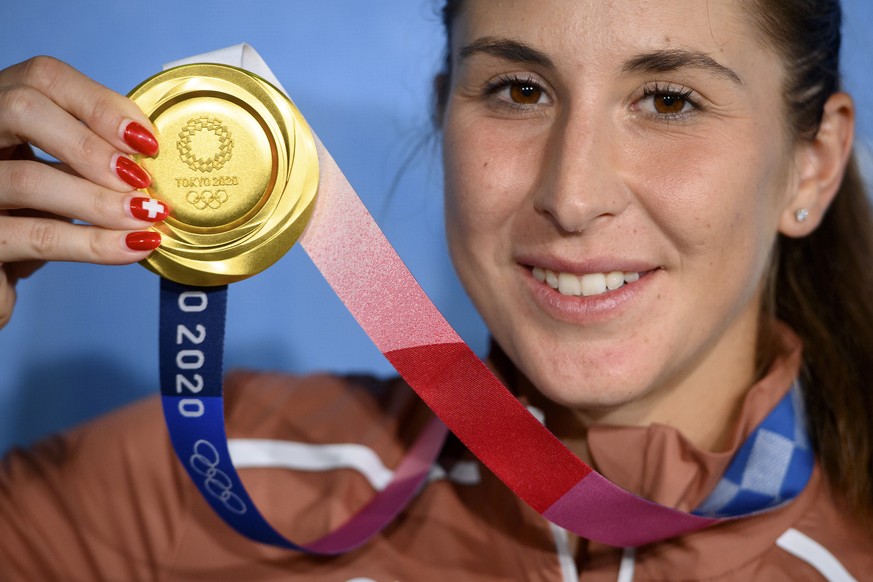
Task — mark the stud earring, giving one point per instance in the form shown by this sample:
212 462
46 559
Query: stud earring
801 215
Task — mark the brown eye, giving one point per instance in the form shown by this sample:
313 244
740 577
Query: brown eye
525 93
518 92
669 104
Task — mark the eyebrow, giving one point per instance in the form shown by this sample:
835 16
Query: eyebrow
663 61
660 61
510 50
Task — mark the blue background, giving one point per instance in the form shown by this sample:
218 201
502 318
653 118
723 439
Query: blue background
83 339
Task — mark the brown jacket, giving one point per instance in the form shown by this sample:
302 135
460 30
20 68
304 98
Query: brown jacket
109 501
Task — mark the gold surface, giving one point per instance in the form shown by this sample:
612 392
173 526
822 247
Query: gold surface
237 166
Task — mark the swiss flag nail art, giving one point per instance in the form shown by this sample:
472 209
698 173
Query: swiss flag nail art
149 209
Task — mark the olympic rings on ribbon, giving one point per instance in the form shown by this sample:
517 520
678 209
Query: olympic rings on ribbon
216 481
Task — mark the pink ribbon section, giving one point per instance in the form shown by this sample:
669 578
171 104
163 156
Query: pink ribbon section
409 476
598 509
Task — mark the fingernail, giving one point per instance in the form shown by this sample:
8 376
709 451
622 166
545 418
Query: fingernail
131 173
140 139
143 241
149 209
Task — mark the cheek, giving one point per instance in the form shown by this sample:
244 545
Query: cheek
711 194
460 201
487 177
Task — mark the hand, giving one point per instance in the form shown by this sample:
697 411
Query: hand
92 130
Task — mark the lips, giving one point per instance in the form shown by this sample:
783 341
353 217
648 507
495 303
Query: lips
587 285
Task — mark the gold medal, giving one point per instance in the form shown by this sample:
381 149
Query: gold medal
237 166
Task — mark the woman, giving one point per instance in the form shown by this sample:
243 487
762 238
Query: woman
655 211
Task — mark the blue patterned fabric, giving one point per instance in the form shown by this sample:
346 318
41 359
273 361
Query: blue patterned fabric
770 468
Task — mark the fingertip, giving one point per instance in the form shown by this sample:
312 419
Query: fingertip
130 172
142 241
7 300
139 138
146 209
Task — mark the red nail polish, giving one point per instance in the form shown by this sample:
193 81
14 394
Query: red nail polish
143 241
140 139
131 173
149 209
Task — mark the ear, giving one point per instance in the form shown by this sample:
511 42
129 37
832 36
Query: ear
820 164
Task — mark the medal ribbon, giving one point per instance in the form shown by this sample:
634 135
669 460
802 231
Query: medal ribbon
191 347
365 272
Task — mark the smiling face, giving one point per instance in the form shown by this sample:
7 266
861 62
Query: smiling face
633 152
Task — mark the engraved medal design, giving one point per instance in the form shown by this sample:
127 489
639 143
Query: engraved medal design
191 143
192 133
237 166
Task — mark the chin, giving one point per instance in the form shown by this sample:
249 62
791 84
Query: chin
601 385
591 396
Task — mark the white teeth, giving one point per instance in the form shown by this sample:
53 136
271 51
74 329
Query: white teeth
551 279
586 285
614 280
593 284
570 284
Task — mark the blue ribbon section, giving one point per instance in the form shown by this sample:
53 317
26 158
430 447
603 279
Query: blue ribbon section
192 351
771 468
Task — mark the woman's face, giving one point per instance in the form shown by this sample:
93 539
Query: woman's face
630 150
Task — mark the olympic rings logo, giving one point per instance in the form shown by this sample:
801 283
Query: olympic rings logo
220 133
201 200
205 462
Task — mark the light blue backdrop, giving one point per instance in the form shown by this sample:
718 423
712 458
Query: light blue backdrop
83 339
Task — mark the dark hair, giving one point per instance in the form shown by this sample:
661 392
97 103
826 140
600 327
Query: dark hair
820 285
443 84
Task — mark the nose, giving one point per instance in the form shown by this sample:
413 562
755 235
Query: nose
580 183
